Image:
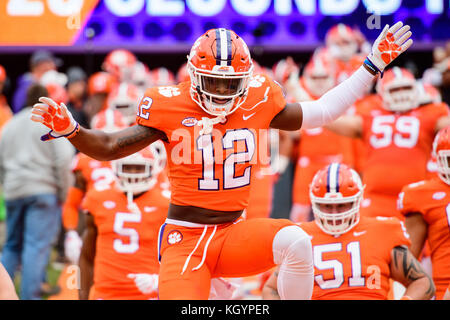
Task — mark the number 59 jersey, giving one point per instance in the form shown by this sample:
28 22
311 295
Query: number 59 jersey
212 171
356 264
398 144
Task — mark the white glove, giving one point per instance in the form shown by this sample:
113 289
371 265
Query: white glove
56 117
222 289
389 45
72 246
145 282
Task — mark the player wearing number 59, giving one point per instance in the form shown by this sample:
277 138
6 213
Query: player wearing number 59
210 127
398 135
354 256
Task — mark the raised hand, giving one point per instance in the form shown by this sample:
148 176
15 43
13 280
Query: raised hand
389 45
56 117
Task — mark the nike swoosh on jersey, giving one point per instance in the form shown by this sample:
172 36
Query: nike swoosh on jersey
357 234
248 117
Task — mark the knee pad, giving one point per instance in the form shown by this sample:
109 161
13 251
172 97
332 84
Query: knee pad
291 245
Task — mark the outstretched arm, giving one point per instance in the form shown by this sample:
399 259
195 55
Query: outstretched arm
408 271
95 143
388 46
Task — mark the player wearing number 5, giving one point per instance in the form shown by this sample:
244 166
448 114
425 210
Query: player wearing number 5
398 135
210 126
426 206
352 258
119 257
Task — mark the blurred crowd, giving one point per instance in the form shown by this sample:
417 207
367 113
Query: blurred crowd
109 99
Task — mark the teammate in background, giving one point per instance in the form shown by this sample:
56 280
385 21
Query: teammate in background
342 50
203 237
352 260
120 64
162 77
425 204
124 98
393 129
317 147
88 174
119 257
100 84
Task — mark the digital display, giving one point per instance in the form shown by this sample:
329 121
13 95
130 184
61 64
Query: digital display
173 25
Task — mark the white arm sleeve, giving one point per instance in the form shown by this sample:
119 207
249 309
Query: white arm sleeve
335 102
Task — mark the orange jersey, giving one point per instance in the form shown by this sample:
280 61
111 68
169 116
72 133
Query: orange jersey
127 242
398 144
212 171
356 264
431 198
317 148
261 193
97 174
346 69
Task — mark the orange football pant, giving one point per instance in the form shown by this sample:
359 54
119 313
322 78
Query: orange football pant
192 254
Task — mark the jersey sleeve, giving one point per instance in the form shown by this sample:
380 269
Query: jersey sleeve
398 235
409 199
152 110
277 96
89 202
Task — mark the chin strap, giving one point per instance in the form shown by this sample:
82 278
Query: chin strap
208 123
131 205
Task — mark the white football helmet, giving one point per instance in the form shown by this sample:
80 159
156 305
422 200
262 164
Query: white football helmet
138 173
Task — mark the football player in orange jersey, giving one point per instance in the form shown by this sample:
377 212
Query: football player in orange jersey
88 174
425 205
119 257
398 135
100 84
341 50
352 260
317 147
120 64
210 127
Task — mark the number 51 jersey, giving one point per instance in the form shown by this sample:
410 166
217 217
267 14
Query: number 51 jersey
212 171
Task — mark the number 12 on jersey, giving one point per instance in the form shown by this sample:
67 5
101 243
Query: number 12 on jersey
209 180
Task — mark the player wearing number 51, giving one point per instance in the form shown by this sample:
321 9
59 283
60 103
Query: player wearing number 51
398 135
216 117
352 259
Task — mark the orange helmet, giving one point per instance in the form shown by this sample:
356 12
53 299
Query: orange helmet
441 151
336 184
108 120
319 76
147 165
57 93
100 82
341 42
220 68
398 88
428 93
120 63
124 98
283 69
182 73
162 77
2 74
141 76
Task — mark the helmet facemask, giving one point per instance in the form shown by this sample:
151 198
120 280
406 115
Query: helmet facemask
136 174
336 223
443 163
221 91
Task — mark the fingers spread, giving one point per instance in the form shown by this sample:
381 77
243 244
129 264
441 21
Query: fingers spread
395 27
49 101
401 32
40 106
406 45
37 118
403 39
